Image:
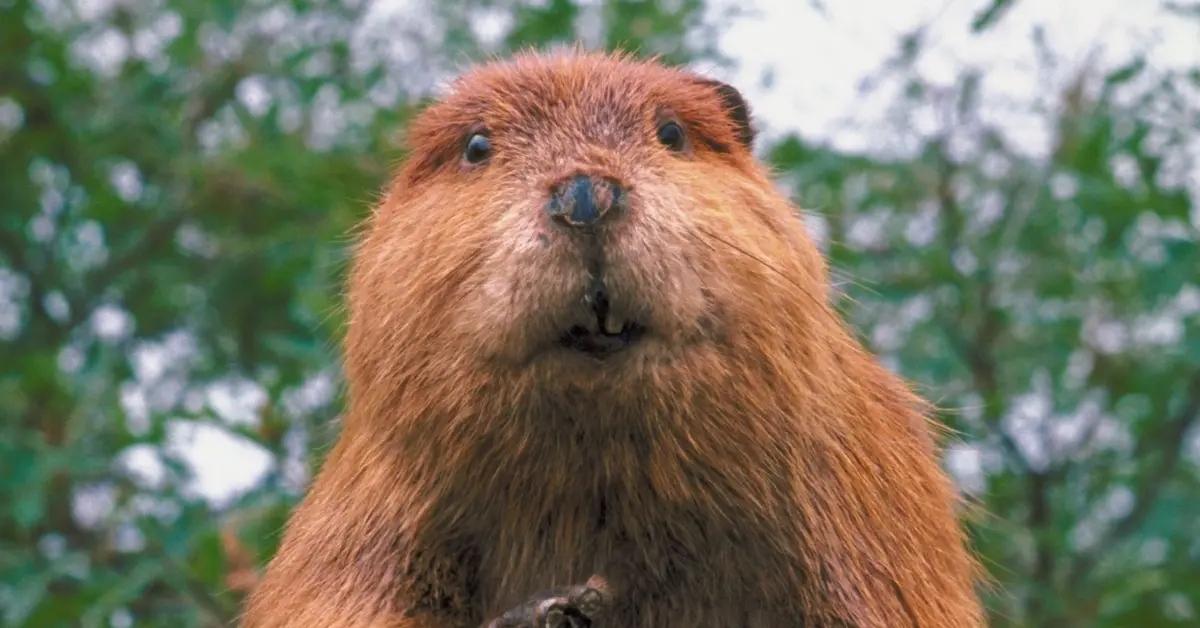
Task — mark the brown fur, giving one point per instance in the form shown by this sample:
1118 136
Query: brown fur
747 464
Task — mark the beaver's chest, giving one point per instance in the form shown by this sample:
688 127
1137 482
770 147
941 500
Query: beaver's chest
668 565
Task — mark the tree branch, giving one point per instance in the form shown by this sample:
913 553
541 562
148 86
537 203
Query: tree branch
156 235
1152 483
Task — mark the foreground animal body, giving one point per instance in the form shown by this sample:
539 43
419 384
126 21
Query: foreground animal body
589 339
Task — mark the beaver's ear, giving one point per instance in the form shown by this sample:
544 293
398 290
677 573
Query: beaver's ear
736 107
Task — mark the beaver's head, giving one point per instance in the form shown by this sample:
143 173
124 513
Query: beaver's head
578 215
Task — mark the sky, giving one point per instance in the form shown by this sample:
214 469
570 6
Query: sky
820 53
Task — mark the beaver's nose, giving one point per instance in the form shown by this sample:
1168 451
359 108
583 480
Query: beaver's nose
583 201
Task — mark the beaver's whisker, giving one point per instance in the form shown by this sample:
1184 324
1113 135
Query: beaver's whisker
821 305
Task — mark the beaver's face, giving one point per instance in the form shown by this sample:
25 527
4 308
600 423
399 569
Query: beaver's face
581 209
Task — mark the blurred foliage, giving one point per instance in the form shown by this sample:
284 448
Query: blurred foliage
1052 308
179 182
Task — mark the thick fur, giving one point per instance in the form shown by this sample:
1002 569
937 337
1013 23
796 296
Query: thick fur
747 464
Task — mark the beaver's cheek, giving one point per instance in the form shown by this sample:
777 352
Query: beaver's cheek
660 277
524 295
665 294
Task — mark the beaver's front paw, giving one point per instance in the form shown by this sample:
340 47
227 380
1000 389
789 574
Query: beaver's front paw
569 607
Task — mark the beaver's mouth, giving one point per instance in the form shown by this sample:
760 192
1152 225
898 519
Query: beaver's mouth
606 334
601 343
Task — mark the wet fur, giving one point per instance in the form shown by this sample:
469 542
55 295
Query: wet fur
748 464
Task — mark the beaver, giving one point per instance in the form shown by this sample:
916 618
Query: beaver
595 378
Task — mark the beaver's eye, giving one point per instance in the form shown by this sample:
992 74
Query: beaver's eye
671 136
479 148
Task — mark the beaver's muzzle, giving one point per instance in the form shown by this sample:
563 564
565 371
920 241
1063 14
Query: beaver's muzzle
583 201
607 333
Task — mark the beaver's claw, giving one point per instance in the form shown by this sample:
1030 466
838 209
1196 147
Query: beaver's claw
569 607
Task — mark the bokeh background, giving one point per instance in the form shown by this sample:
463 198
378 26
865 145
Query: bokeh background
1009 192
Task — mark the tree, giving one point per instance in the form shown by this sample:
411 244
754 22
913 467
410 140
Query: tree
1049 304
179 183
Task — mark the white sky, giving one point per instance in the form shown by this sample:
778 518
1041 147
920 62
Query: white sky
820 57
